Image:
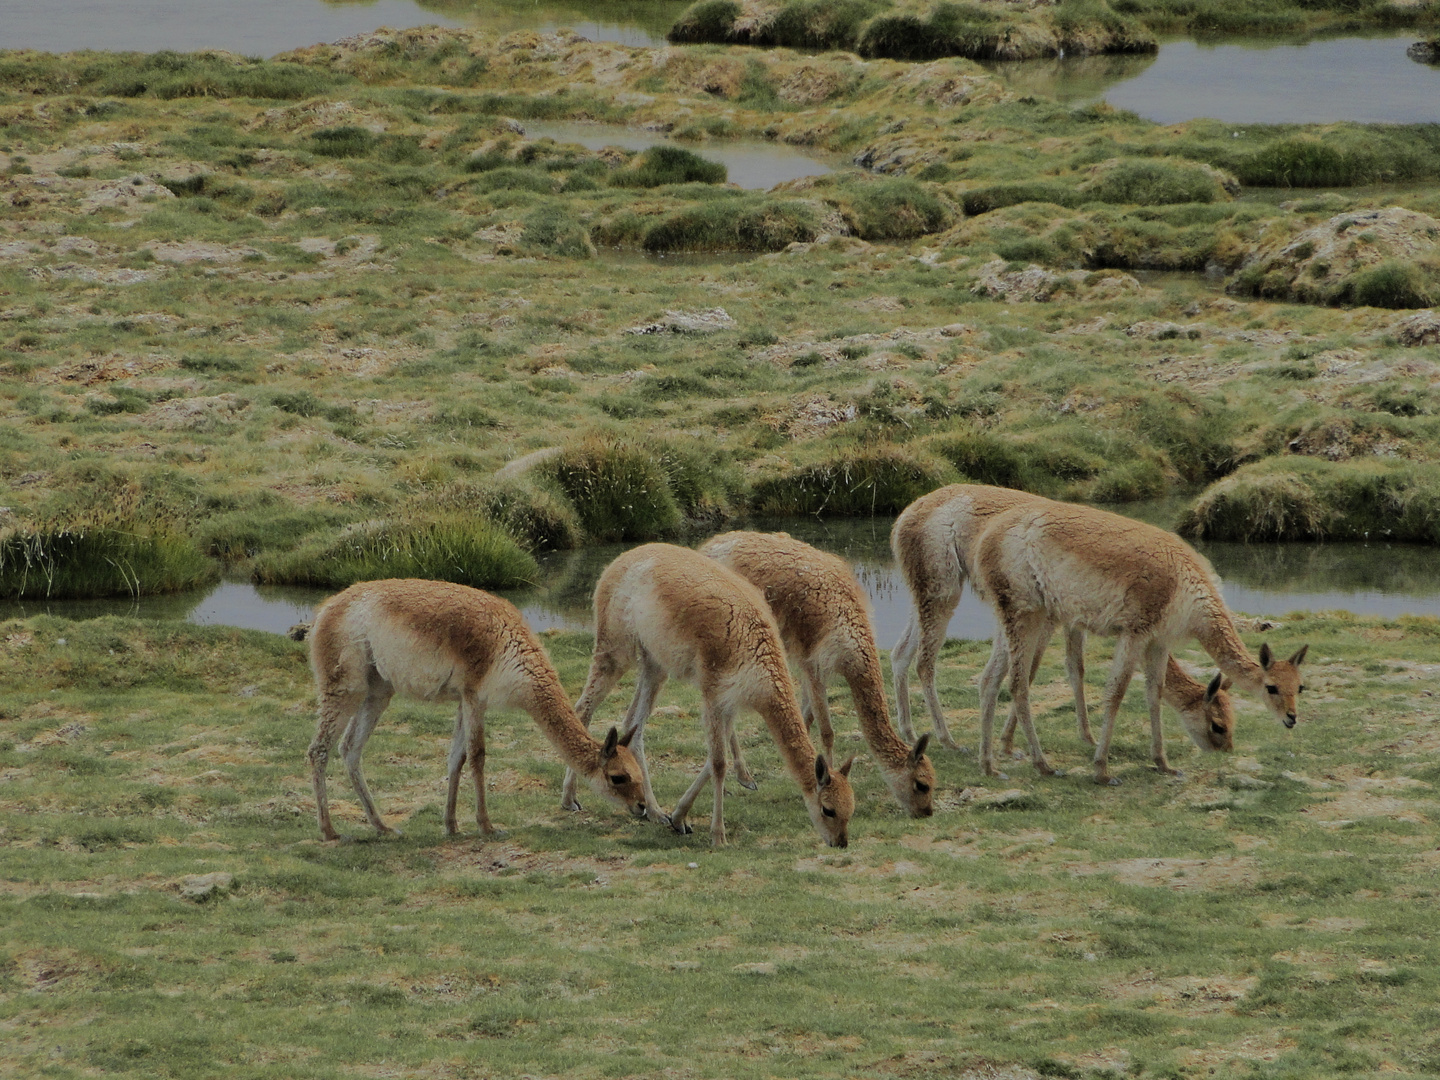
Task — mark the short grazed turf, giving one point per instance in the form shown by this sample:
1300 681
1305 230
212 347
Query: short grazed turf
1271 915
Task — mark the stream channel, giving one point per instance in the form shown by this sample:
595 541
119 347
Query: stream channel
1374 578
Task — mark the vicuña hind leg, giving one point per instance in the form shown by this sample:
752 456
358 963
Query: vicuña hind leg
934 617
352 746
1007 740
337 708
455 763
1025 634
1075 669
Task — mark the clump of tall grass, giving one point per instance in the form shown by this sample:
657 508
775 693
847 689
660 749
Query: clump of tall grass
553 230
1301 498
891 208
632 490
462 548
168 75
878 480
668 165
106 555
709 20
541 519
1152 182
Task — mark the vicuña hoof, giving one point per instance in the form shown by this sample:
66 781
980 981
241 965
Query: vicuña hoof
573 807
683 828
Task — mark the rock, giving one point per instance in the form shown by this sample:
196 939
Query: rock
1036 283
205 887
688 322
1426 52
1422 328
1154 330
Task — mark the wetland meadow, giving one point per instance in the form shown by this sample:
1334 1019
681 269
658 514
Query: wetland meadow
491 292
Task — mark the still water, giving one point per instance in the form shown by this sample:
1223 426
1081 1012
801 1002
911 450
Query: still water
1260 579
1255 81
266 27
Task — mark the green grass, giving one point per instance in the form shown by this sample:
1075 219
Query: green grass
668 165
882 480
1169 927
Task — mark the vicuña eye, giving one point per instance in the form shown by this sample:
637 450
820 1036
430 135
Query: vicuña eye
623 778
827 811
1302 689
1272 689
924 789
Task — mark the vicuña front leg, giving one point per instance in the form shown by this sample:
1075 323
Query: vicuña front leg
1157 658
814 684
1128 654
475 724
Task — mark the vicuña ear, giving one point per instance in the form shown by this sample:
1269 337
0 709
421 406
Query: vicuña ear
625 739
918 751
822 771
1227 683
844 770
612 740
1299 656
1216 685
1266 657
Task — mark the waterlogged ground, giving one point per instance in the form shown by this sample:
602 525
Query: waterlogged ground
1270 915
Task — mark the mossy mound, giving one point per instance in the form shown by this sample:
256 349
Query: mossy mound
1297 498
1379 258
910 31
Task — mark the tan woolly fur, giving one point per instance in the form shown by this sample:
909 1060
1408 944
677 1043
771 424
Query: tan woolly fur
1043 564
673 612
441 642
933 541
825 626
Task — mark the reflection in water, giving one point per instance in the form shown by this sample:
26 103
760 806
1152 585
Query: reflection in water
754 165
266 27
1254 81
1260 579
1070 79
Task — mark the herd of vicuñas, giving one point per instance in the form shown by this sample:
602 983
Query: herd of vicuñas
726 618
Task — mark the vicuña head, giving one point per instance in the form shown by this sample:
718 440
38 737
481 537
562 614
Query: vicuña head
833 804
1282 683
1209 718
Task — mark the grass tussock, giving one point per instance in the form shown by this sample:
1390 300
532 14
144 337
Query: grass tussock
668 165
107 556
166 75
462 548
740 224
879 480
1298 498
625 489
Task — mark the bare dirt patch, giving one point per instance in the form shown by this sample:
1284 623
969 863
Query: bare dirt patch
1177 874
